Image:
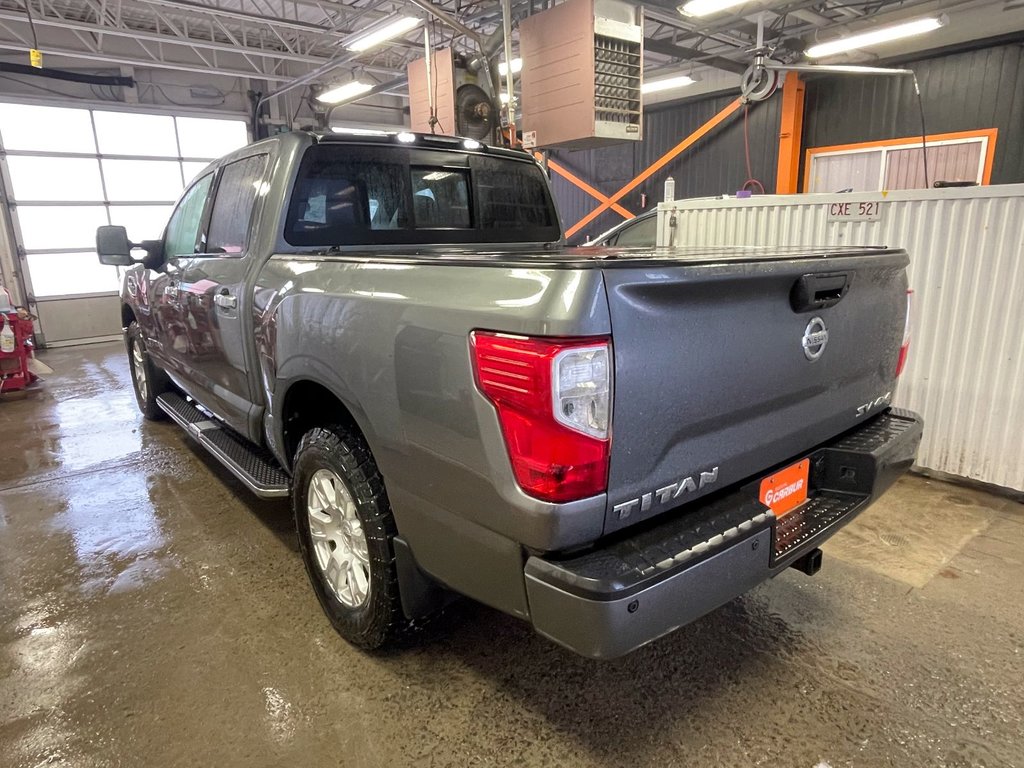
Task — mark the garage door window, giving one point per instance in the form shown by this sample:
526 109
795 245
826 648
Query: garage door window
68 171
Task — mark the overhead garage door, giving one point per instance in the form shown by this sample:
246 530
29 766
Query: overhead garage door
67 171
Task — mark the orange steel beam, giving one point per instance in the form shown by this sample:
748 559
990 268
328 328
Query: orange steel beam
569 176
790 135
657 165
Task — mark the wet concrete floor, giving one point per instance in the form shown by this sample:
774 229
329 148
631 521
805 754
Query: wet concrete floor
153 613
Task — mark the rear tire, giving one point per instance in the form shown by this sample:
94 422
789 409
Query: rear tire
148 380
345 527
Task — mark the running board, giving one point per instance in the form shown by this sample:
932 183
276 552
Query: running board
254 466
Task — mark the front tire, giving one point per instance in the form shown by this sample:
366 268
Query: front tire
148 380
345 528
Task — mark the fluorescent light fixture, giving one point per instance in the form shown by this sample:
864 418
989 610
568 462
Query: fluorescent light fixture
669 83
379 34
517 66
878 36
344 92
708 7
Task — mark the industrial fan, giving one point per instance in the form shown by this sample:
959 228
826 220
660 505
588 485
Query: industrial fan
474 112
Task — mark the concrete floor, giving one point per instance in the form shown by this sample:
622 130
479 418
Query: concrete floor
153 613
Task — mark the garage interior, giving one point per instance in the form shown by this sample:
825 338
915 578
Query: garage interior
154 612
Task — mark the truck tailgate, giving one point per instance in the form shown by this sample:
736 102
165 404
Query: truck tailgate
714 377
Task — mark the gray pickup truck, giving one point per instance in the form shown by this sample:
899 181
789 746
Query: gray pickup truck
607 443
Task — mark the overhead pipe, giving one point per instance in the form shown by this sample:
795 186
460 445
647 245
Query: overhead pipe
323 69
510 104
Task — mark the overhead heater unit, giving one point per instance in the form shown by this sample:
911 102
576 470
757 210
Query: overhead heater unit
582 71
462 105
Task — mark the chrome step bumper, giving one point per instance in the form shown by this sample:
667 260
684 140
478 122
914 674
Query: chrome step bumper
254 466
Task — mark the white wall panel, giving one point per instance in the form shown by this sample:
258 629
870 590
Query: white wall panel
966 368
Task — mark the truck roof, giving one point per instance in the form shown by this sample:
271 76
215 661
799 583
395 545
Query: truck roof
412 138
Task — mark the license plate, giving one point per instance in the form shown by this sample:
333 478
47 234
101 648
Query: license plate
786 489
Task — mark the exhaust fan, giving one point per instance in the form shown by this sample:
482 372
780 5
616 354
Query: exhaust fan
461 104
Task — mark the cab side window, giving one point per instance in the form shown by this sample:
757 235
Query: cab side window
643 232
240 183
183 228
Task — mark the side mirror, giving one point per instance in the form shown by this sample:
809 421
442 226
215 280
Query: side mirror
113 246
154 258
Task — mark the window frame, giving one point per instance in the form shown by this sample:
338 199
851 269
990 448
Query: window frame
211 201
203 217
985 136
465 171
289 241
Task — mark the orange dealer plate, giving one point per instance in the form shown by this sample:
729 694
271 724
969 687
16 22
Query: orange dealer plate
786 489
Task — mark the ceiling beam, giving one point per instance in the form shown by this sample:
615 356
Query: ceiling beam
155 37
666 48
130 61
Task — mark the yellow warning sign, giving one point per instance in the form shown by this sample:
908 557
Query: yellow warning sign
35 58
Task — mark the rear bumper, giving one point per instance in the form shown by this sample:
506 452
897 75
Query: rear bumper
610 600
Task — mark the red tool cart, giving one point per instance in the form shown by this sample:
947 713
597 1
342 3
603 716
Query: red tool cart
14 372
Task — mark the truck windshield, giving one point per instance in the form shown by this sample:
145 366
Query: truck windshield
387 195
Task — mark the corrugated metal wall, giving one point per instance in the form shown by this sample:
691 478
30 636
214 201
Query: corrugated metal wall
713 166
966 368
962 92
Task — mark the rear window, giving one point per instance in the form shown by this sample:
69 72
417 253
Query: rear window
358 195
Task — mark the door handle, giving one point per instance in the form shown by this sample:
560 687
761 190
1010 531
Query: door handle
818 291
225 301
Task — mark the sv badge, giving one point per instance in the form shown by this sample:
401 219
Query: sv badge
865 409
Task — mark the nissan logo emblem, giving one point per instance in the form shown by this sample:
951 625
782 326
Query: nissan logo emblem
815 339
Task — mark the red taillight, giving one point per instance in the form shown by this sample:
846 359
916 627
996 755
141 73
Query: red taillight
901 361
553 398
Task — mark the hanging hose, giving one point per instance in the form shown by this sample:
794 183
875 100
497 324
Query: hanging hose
746 147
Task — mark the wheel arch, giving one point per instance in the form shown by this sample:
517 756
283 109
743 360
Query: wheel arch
127 315
306 404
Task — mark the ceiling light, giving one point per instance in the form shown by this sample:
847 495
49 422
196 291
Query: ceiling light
517 66
707 7
406 138
344 92
381 33
679 81
471 144
878 36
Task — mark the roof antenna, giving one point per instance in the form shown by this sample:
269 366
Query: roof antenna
430 87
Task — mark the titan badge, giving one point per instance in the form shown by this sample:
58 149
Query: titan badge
670 492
